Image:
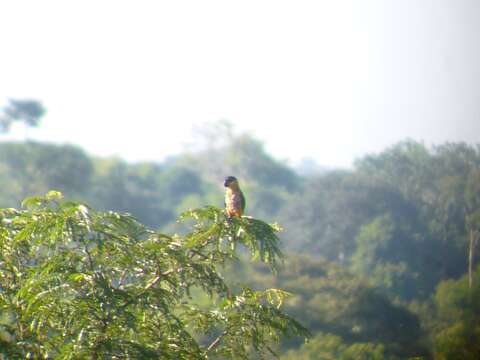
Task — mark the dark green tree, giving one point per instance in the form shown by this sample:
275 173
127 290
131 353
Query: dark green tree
27 111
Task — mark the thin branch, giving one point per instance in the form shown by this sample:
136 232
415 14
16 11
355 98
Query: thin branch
148 287
471 255
216 342
123 277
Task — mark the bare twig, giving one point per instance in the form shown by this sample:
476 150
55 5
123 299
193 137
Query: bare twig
149 286
215 342
471 256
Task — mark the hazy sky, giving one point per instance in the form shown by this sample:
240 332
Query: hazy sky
332 80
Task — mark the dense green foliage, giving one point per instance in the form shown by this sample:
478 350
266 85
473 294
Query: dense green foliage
401 218
381 258
328 299
456 310
76 283
331 347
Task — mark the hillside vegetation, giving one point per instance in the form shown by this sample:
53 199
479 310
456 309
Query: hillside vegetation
381 258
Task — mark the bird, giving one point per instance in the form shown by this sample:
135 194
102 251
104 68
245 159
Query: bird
234 198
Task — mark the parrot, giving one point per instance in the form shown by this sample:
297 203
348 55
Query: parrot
234 198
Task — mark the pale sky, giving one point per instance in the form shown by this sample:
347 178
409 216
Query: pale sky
330 80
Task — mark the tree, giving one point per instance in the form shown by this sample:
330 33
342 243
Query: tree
323 219
34 168
440 185
327 216
456 323
383 254
27 111
76 283
133 189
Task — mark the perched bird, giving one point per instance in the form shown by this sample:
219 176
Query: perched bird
234 199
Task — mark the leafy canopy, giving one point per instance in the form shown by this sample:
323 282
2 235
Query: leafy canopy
77 283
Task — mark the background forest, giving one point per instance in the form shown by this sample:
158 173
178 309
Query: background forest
380 258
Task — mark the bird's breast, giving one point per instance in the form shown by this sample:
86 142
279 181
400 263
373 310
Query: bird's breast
233 200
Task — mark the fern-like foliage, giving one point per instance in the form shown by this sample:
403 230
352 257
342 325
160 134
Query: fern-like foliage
76 283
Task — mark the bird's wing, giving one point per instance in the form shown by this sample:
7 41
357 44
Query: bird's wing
243 201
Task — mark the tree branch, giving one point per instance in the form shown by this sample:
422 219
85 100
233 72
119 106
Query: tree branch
148 287
215 342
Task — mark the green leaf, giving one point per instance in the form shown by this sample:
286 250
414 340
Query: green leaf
53 195
32 202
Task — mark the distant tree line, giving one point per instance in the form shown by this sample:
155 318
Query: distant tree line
382 258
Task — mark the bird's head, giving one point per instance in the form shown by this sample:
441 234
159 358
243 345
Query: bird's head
230 181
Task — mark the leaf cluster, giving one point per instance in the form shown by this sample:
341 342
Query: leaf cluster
77 283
